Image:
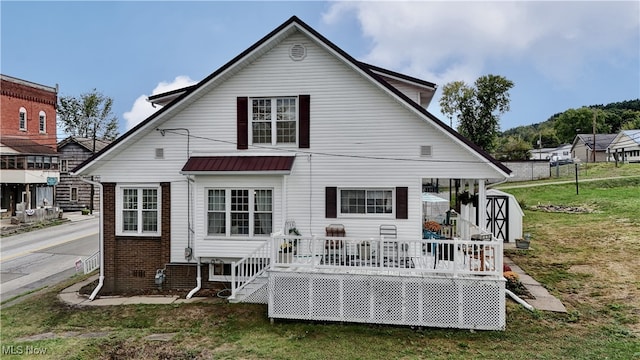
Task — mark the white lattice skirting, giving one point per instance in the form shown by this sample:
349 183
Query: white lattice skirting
462 303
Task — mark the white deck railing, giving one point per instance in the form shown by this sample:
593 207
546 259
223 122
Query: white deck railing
250 267
479 256
91 263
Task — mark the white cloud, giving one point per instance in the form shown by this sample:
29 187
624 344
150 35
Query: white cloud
447 41
142 109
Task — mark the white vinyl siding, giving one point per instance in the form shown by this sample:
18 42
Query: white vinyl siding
361 138
138 210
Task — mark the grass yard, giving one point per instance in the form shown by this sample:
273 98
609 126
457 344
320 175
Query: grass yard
591 261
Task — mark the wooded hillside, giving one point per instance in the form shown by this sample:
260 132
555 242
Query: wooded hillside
561 128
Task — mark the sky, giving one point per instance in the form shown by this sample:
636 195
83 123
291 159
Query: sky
560 55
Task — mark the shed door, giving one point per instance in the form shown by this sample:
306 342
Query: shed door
498 216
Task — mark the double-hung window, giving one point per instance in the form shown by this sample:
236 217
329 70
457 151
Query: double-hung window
274 121
138 210
239 212
366 201
64 166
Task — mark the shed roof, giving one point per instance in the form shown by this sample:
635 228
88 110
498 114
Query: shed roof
26 146
234 164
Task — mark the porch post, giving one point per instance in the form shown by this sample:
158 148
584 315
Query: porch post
482 205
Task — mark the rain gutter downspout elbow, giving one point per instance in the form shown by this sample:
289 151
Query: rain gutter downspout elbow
100 237
198 281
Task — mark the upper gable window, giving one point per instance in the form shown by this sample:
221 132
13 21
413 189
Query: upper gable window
43 122
22 122
274 121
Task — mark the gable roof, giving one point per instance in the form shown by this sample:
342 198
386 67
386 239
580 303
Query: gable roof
86 143
632 141
166 97
602 140
262 46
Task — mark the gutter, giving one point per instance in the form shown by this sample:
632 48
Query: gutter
100 237
198 281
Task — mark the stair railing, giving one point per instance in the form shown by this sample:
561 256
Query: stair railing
251 266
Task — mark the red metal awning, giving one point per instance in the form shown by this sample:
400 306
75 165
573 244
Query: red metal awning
238 164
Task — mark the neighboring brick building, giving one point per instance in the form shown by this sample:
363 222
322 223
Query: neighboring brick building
29 160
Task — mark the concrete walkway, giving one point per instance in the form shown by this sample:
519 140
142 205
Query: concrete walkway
543 300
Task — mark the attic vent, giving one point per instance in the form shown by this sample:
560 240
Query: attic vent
425 150
297 52
159 153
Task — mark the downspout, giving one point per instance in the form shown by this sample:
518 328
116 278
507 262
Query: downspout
519 300
198 282
100 238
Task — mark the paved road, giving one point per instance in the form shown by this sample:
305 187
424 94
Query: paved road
40 258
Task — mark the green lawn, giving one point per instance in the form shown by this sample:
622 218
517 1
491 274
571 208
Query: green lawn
590 261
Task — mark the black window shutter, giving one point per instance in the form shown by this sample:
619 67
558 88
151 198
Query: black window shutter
305 101
243 123
330 202
402 203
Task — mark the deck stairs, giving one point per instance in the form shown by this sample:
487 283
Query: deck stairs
255 291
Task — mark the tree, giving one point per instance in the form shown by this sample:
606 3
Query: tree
478 107
89 116
513 148
579 121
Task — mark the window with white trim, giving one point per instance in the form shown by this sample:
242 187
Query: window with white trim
73 194
274 121
138 210
22 122
43 121
366 201
239 212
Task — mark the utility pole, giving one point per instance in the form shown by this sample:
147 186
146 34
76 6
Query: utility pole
593 150
540 146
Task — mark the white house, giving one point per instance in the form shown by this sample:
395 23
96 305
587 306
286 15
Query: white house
625 147
295 172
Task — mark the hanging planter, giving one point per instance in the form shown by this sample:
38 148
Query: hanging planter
466 198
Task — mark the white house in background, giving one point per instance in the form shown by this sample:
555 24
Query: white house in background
561 153
626 146
296 173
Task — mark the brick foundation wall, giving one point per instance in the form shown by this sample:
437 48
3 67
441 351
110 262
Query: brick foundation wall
131 262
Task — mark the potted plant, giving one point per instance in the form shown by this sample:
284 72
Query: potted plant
523 243
289 247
